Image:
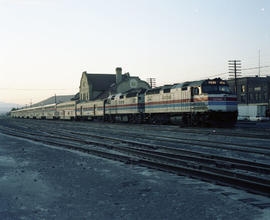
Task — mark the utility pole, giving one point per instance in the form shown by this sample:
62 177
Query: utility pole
259 69
235 71
152 82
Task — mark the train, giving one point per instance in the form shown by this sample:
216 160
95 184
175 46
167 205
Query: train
196 103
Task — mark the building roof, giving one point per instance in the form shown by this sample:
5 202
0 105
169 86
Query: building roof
100 81
75 97
112 89
51 100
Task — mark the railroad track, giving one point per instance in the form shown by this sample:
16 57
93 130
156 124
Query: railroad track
182 163
65 134
189 146
109 128
262 133
217 147
263 150
246 148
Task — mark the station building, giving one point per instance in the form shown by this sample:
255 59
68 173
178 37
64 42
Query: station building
253 95
96 85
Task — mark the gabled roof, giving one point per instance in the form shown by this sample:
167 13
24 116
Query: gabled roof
103 83
100 81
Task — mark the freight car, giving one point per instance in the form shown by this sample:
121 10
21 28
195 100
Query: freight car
196 103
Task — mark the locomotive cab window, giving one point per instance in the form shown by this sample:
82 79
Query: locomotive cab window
196 91
224 88
215 87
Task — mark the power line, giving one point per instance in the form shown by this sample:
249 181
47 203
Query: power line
253 68
21 89
52 89
225 73
220 74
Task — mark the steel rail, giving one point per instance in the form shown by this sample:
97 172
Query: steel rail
163 138
188 130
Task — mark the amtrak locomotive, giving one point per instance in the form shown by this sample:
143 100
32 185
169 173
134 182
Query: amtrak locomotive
196 103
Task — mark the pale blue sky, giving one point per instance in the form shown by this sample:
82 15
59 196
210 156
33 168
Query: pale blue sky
46 44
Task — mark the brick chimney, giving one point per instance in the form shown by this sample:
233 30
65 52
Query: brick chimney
118 71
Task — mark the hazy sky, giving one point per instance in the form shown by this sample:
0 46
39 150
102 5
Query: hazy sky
46 44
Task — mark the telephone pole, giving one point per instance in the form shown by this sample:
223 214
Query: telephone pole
152 82
235 71
259 69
